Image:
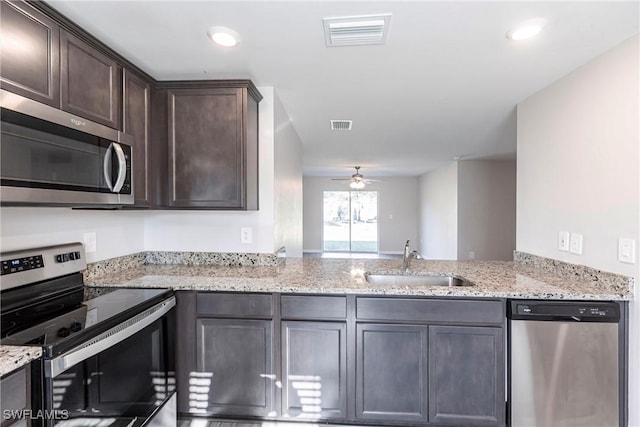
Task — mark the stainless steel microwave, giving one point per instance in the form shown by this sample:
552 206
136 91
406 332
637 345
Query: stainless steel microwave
51 157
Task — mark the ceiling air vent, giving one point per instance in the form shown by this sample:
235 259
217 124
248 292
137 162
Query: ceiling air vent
341 124
356 30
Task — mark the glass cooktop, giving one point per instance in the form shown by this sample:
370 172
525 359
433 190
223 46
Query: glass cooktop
73 324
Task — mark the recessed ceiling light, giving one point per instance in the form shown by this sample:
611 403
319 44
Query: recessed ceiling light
224 36
526 30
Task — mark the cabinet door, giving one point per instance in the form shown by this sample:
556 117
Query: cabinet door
185 341
206 148
137 93
314 374
14 393
466 382
234 368
90 82
29 56
391 373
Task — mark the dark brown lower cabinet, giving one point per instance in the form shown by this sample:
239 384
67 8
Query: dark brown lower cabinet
445 375
411 361
234 367
391 373
314 373
15 396
466 383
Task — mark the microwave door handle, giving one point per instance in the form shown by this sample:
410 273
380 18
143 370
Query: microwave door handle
106 167
122 168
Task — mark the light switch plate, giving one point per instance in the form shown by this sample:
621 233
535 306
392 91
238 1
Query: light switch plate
627 250
575 243
563 241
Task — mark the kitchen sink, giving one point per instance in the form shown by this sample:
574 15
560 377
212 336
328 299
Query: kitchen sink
414 280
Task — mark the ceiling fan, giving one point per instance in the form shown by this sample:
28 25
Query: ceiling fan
358 180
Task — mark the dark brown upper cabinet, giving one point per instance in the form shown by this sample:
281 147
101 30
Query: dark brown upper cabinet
204 153
29 56
213 145
90 82
137 122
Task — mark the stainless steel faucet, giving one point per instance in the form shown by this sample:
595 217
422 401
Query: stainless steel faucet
408 255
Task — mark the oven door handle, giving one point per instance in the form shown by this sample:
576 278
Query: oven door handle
109 338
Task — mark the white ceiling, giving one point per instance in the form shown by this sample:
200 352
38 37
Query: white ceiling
445 84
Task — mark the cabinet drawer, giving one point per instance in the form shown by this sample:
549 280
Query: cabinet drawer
223 304
430 310
313 307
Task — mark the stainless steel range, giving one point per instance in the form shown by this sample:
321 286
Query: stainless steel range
107 360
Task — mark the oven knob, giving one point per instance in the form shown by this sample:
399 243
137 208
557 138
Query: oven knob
62 258
75 326
63 332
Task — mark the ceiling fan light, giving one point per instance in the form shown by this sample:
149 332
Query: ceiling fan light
357 185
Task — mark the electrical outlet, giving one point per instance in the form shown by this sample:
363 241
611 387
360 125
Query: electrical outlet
563 241
627 250
472 254
90 242
575 243
246 235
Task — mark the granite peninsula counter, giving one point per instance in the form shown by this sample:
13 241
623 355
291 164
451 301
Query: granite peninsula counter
525 278
15 357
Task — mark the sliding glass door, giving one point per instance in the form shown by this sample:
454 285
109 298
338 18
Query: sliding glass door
350 221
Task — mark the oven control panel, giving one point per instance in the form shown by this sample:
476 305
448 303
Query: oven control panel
20 268
17 265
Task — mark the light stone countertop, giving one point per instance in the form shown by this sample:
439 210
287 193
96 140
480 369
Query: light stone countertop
491 279
15 357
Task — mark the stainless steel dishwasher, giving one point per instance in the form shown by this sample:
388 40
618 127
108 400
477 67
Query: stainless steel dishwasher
564 360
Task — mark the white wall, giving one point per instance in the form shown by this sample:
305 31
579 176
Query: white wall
578 161
438 211
487 209
397 211
288 183
117 232
578 171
